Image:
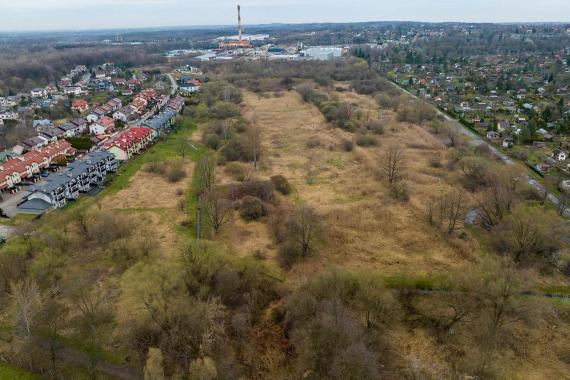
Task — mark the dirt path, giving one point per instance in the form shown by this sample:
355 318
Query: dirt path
76 358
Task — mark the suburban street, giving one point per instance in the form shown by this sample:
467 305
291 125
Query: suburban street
174 85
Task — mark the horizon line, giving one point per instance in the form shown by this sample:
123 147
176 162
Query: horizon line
214 26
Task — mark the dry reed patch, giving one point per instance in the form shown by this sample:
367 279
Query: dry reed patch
150 191
161 227
250 238
387 237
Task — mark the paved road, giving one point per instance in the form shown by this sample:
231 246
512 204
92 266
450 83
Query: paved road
10 205
174 85
477 140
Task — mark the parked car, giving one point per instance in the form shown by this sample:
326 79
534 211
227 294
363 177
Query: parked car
45 174
2 240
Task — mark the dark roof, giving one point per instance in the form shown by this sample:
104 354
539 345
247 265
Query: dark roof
68 127
52 132
34 205
79 121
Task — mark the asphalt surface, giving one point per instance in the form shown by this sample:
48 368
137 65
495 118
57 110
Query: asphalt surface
174 85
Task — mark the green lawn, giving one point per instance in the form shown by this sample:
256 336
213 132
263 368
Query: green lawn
101 97
8 372
161 151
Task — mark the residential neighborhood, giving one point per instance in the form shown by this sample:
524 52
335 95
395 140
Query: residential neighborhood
519 105
115 132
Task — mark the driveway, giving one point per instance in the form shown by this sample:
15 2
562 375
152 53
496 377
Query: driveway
10 204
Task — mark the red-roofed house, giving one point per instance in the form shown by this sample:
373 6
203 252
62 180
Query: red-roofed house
14 171
79 105
129 142
104 125
139 104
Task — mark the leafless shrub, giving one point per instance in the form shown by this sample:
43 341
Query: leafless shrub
391 165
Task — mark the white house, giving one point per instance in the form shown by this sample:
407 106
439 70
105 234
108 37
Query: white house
9 115
38 93
91 118
559 155
70 130
75 90
503 125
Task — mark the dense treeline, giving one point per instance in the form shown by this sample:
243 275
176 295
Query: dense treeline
23 70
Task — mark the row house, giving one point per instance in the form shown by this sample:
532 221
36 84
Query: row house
148 94
129 142
20 168
81 176
41 124
139 104
30 144
176 104
52 134
70 129
125 114
114 104
161 123
8 115
81 123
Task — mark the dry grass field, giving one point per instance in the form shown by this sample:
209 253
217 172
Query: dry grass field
152 199
367 229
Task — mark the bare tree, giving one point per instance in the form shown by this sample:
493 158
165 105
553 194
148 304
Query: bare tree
53 321
206 171
182 147
496 202
563 204
453 137
476 171
92 316
452 210
392 164
429 210
27 300
253 134
218 210
306 228
524 236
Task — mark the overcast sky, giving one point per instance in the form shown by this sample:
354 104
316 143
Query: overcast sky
101 14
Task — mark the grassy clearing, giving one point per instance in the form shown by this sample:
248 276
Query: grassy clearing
368 229
8 372
17 219
161 151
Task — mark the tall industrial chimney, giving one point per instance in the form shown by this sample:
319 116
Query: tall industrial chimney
239 23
